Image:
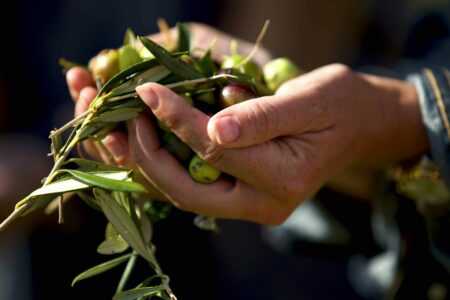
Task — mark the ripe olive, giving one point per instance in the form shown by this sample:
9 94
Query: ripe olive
104 65
234 93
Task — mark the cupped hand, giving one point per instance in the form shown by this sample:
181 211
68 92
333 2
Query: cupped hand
280 149
82 90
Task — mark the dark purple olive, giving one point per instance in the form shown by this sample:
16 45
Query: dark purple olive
234 93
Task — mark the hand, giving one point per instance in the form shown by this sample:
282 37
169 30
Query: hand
281 149
82 90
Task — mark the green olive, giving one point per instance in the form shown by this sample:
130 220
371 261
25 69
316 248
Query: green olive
206 97
105 65
128 56
200 171
249 68
278 71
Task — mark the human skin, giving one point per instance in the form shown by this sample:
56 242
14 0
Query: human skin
279 149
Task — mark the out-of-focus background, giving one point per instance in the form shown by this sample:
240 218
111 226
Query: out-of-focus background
308 259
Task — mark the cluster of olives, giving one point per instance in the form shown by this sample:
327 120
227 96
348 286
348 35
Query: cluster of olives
254 80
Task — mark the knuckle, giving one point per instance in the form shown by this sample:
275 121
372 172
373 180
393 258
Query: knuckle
340 70
172 121
267 116
211 154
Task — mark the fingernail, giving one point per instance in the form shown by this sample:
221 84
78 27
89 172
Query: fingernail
226 129
148 96
116 148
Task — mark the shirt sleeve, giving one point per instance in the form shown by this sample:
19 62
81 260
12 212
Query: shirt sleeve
433 87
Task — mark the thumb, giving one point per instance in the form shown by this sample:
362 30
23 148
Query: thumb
258 120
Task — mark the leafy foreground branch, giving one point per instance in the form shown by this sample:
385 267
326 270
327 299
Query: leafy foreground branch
115 191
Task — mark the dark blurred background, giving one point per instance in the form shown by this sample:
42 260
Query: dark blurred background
39 258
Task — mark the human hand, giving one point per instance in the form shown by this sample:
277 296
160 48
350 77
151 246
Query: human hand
82 88
281 149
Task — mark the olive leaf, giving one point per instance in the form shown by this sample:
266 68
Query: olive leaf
113 246
127 73
139 292
126 273
154 74
178 67
101 268
122 222
89 200
94 165
206 65
184 37
118 115
132 71
114 243
122 183
37 203
118 180
129 38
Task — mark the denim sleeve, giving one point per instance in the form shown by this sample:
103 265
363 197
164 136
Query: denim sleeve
433 87
434 98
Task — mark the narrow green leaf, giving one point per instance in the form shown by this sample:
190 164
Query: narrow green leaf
126 273
129 38
118 180
118 115
123 200
184 37
37 203
131 103
154 74
128 72
123 184
122 222
69 140
60 186
146 282
140 292
178 67
113 246
56 145
89 130
94 165
101 268
110 232
206 64
89 200
66 64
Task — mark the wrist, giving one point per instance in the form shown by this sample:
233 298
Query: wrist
396 132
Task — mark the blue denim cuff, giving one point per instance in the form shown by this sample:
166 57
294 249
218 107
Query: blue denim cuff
434 97
433 87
